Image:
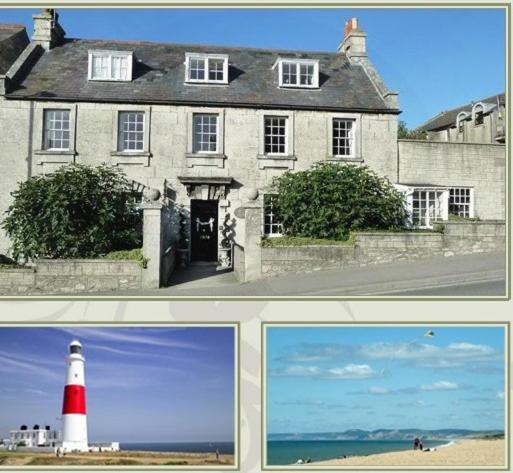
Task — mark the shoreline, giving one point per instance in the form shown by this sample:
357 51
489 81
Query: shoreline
457 452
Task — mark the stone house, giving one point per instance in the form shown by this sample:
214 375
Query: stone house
209 127
482 121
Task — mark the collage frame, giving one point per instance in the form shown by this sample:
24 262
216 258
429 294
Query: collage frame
237 386
239 448
507 391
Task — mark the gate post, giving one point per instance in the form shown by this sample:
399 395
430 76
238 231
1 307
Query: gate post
152 243
252 240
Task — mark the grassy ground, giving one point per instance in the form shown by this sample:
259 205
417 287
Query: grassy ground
113 459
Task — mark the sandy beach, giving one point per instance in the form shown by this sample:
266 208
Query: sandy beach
462 453
114 458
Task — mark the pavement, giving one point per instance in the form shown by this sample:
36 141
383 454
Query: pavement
468 275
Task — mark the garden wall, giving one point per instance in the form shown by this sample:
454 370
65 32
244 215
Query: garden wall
375 248
70 277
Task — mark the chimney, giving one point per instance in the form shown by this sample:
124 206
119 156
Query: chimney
47 31
354 42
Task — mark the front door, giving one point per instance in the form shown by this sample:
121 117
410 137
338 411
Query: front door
204 230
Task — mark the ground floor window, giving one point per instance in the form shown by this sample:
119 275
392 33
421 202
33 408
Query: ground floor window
460 202
427 207
272 227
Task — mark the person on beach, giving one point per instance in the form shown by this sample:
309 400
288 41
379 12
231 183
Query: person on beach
217 455
420 445
416 443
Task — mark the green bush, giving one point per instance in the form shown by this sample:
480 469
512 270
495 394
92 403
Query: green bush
302 241
77 212
132 255
330 200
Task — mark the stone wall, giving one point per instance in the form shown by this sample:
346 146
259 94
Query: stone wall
377 248
239 262
481 166
71 277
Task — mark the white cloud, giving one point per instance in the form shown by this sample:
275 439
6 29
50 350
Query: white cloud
378 390
440 386
120 335
352 371
500 395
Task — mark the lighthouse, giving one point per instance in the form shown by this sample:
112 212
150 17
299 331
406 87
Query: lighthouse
74 420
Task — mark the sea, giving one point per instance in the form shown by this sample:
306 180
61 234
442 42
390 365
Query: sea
287 452
193 447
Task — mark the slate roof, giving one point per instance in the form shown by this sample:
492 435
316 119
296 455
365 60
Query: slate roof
12 43
447 118
159 73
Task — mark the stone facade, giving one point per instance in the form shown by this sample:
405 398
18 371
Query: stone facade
479 166
96 131
482 121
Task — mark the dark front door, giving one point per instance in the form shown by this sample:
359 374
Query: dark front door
204 230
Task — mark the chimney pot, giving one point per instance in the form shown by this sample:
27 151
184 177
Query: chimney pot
354 41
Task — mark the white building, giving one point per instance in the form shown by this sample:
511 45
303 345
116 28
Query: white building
35 437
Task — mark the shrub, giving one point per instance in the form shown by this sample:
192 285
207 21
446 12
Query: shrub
133 255
77 212
302 241
330 200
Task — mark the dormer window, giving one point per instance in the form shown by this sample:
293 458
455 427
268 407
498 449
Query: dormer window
478 114
460 119
206 68
110 65
298 73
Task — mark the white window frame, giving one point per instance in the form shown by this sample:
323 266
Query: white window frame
286 137
128 55
120 144
356 153
470 204
69 129
352 137
280 225
440 210
216 115
207 58
298 63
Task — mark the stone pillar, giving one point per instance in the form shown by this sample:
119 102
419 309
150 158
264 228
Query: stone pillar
152 243
253 237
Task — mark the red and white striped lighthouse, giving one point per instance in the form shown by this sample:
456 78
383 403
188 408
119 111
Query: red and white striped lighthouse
74 420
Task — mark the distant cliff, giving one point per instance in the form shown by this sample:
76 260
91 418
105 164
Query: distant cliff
389 434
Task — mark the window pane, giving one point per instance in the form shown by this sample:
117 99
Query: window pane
205 133
275 135
306 74
271 225
197 69
216 70
342 137
459 202
131 131
289 73
56 129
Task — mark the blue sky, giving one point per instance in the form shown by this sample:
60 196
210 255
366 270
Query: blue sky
143 384
331 379
436 59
